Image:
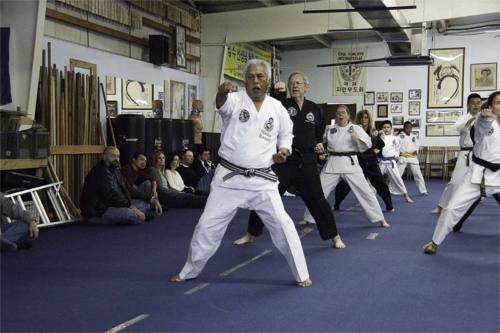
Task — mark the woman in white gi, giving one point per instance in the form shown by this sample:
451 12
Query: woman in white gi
482 177
254 125
388 158
408 150
464 158
345 140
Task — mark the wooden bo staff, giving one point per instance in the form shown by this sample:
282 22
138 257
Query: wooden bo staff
107 114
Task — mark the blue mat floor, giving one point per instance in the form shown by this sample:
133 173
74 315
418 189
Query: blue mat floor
86 278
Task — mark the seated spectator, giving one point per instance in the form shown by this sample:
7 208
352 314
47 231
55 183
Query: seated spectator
167 195
136 177
19 234
174 179
202 164
107 198
188 175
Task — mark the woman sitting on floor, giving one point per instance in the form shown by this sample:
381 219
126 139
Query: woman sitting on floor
169 196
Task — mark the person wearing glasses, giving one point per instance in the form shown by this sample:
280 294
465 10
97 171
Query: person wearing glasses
345 141
300 168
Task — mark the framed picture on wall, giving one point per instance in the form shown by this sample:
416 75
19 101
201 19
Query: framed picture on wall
483 77
397 130
398 120
382 97
414 108
397 108
180 46
382 110
192 96
177 100
415 122
370 98
440 130
136 95
110 85
396 97
368 108
445 83
378 124
414 94
112 108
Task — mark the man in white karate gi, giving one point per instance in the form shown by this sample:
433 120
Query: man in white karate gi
345 140
254 126
482 177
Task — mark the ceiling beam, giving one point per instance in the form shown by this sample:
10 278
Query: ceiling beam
327 42
359 9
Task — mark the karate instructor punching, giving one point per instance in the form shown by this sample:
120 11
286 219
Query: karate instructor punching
254 127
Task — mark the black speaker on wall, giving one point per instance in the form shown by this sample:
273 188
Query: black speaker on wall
159 46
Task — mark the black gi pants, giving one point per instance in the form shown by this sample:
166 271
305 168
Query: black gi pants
371 170
305 178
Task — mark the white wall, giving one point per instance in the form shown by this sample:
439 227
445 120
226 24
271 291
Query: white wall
478 49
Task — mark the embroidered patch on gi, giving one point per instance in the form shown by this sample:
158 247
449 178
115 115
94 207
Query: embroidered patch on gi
269 125
491 131
310 117
350 130
333 130
402 136
394 142
292 111
413 139
244 116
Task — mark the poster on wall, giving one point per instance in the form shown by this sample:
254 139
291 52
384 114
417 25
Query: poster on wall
136 95
192 96
237 56
446 78
177 100
349 80
483 77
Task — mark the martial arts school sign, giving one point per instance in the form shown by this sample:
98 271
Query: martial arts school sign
237 56
349 80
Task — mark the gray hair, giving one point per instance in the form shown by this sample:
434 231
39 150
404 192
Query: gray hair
305 78
257 62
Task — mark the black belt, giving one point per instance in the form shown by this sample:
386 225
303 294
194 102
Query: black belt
466 148
249 172
492 166
346 153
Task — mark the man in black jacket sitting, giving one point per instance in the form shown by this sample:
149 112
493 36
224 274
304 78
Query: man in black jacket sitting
107 198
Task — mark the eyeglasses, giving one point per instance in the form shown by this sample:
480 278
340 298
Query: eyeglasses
295 83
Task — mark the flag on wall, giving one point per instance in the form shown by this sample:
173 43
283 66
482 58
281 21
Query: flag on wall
349 80
5 94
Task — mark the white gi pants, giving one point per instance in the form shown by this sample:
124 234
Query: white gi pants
456 177
359 186
462 198
222 205
396 184
417 174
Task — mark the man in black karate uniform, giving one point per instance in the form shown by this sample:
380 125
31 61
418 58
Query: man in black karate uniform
300 168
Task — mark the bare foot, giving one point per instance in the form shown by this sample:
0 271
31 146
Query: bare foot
248 238
176 278
303 222
384 224
436 210
337 242
305 283
407 197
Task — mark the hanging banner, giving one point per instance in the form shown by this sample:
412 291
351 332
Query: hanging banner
237 56
349 80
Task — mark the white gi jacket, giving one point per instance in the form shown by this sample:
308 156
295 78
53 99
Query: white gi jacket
391 148
339 140
249 138
487 147
408 144
465 140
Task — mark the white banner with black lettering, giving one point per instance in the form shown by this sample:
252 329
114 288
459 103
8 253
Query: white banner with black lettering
349 80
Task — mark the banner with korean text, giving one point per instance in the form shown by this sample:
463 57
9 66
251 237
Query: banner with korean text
349 80
238 54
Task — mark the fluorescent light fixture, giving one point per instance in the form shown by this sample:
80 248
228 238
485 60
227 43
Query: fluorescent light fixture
409 60
361 9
